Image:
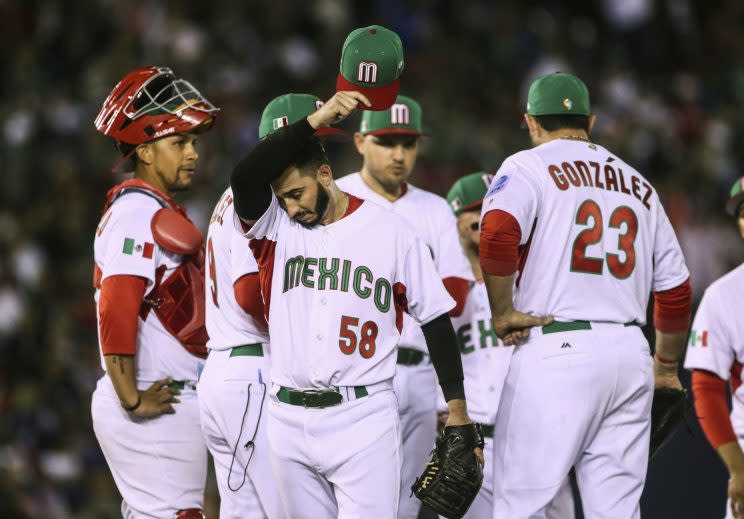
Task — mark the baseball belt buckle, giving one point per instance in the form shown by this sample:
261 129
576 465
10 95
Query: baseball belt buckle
320 398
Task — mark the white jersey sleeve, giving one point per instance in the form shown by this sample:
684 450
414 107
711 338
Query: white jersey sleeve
242 259
711 346
520 200
670 269
427 298
126 246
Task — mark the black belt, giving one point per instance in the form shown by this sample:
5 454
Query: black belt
487 430
315 397
410 357
248 350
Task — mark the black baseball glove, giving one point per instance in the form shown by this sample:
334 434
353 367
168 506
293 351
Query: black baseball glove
668 410
454 475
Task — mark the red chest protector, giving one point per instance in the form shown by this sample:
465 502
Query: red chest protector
178 302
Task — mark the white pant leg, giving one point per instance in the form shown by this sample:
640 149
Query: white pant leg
482 506
562 505
416 388
160 464
558 390
612 470
340 461
232 415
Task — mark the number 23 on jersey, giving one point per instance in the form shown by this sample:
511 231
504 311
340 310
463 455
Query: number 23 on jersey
622 218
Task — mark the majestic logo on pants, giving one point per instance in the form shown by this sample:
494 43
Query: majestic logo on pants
367 72
399 114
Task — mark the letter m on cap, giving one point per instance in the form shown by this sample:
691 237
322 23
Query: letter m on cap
367 72
400 114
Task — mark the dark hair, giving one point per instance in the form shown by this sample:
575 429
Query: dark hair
127 150
310 157
551 123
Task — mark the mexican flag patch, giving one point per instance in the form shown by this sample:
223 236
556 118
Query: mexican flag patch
134 248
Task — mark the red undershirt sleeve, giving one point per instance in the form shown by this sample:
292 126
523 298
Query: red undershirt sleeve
711 407
458 289
673 308
499 243
119 304
248 295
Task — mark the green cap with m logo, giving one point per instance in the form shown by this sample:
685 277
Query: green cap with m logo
371 63
290 108
468 192
403 117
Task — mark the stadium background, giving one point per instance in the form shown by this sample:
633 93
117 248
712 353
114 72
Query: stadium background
667 84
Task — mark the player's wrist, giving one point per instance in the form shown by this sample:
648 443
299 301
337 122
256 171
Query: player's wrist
131 407
666 363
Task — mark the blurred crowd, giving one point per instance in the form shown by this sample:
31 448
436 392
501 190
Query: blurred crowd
667 85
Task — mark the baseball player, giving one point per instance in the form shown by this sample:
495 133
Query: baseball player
150 299
485 360
337 274
713 352
388 141
581 238
234 384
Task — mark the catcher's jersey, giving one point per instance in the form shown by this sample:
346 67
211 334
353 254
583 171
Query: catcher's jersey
485 359
124 244
228 259
595 238
336 294
716 341
432 219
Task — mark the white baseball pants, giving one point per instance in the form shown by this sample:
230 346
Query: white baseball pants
417 389
159 464
576 398
341 461
233 396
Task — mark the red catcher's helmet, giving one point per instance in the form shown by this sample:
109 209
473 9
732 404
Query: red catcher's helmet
151 102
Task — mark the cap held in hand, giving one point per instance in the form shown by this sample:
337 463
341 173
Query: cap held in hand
371 63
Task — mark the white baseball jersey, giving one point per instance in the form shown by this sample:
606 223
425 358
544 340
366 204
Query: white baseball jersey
432 219
124 244
595 237
485 359
228 259
717 338
337 293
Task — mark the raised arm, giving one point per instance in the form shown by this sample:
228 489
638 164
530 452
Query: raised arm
251 179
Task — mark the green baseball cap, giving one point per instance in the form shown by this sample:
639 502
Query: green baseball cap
558 94
371 63
290 108
468 192
404 116
736 197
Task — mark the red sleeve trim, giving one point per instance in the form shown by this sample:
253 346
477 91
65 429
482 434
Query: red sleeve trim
248 295
458 288
673 309
711 407
118 308
499 243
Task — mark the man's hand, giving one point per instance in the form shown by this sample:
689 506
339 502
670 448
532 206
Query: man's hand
458 415
513 327
666 374
736 494
337 108
157 400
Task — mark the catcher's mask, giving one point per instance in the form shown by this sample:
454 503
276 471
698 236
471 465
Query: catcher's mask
150 103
